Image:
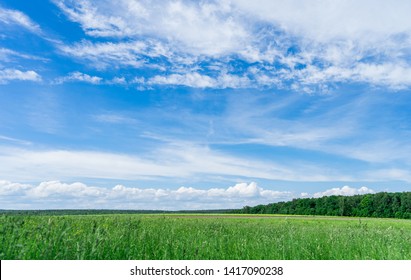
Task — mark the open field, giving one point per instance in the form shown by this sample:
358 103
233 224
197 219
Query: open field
202 237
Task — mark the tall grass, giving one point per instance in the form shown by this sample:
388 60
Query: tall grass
195 237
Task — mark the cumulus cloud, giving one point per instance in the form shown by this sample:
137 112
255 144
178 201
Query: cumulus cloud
55 194
9 188
7 75
59 195
346 190
46 189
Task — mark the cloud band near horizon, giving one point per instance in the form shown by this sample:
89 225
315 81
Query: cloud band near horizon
58 195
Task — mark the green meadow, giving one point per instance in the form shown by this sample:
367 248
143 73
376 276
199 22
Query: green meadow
185 237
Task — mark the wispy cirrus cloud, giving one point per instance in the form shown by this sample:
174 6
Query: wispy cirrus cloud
14 17
193 79
90 79
114 118
391 173
178 160
8 55
123 54
14 140
79 77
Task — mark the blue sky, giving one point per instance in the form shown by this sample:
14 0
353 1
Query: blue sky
201 105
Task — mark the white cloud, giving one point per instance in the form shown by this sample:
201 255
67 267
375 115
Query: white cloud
114 119
86 78
87 14
227 24
346 190
393 75
79 77
104 54
252 190
190 80
117 81
203 28
9 188
325 20
394 174
55 188
7 75
339 41
225 80
197 80
8 55
303 44
55 194
332 125
389 74
14 140
14 17
177 160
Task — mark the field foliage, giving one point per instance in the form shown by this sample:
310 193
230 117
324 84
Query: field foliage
157 237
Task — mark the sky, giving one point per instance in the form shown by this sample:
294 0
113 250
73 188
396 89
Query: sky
180 104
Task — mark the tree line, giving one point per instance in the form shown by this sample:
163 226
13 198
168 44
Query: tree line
381 205
63 212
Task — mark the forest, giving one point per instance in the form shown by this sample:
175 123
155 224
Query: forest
381 205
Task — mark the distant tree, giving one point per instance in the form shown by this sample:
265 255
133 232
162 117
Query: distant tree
388 205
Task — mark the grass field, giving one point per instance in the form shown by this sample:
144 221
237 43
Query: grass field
157 237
